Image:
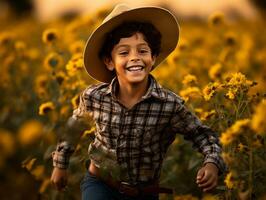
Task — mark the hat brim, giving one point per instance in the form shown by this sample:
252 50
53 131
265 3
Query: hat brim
161 18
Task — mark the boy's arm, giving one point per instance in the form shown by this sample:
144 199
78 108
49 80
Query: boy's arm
203 138
71 133
68 141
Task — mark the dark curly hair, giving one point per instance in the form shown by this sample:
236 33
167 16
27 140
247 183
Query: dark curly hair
151 35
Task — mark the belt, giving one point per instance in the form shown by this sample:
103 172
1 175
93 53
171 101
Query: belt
126 188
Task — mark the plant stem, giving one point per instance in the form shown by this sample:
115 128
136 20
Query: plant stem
250 172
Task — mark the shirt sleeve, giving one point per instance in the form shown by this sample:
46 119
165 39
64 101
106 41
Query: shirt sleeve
72 131
205 140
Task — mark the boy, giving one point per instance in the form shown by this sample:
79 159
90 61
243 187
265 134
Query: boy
136 119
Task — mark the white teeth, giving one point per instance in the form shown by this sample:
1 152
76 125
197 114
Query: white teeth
137 68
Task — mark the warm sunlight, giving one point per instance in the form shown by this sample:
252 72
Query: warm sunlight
48 9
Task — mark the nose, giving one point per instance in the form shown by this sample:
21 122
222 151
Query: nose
134 56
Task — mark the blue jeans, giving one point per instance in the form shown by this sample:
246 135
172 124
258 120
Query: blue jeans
94 189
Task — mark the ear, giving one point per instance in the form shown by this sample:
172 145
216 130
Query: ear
109 63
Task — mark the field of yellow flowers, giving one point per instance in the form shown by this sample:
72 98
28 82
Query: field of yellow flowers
219 68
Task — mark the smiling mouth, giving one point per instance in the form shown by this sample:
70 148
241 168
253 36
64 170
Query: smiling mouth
135 68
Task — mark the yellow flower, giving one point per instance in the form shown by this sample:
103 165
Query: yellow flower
183 44
77 47
210 90
60 77
49 36
232 132
190 92
215 71
88 132
38 172
7 143
42 93
75 101
20 45
53 60
203 115
237 82
226 138
75 64
231 94
216 19
41 81
45 183
259 142
237 79
258 123
241 147
8 61
189 80
30 132
6 38
207 93
240 125
229 180
210 197
230 39
28 163
64 111
32 53
172 58
46 107
227 157
185 197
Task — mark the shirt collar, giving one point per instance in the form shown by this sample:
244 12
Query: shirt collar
155 89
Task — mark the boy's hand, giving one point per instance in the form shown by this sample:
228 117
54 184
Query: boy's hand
59 178
207 177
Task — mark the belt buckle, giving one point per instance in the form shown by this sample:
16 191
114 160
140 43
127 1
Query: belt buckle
127 188
122 186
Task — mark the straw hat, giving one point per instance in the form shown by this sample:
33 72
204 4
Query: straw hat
161 18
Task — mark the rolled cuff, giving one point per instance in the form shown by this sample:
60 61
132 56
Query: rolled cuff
60 160
218 161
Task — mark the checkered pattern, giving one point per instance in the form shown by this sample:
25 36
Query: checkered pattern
133 142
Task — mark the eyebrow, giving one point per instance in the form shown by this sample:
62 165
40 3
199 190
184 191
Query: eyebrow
125 45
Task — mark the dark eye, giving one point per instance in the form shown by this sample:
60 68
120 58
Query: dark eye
123 53
144 51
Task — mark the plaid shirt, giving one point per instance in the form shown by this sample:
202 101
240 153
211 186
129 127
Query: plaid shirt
133 142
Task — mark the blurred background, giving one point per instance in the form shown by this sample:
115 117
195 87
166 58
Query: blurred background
48 10
218 67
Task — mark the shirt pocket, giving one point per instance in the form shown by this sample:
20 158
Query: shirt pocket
106 134
142 140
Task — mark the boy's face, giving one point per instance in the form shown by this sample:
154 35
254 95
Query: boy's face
131 59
